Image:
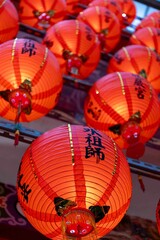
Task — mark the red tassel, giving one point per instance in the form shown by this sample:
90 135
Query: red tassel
16 139
141 183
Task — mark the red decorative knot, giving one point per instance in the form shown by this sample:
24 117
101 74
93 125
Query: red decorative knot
79 222
73 64
131 132
44 18
20 97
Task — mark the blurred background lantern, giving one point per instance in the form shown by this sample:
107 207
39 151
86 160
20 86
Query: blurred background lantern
126 108
105 23
77 49
74 182
147 36
30 80
9 21
137 59
42 14
112 5
158 215
128 12
74 7
151 20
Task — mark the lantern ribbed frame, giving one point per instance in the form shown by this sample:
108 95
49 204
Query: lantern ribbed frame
158 215
147 36
28 7
113 99
9 21
101 19
79 39
128 7
112 5
41 69
137 59
151 20
47 169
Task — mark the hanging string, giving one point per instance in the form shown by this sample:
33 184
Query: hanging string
17 125
141 182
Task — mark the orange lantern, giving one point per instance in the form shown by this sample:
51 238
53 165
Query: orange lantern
112 5
42 14
151 20
105 23
147 36
128 11
30 80
139 60
74 182
77 49
158 216
9 24
125 107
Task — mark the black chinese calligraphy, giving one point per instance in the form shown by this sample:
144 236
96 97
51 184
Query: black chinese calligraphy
25 190
139 87
29 47
94 111
94 147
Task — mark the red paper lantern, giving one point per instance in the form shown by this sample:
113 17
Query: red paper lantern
74 7
139 60
158 216
77 49
9 24
42 14
112 5
147 36
105 23
151 20
126 108
128 11
30 80
74 183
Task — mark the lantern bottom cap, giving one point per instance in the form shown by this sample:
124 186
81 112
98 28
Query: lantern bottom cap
78 223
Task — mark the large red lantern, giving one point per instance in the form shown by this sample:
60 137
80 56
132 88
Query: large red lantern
137 59
128 11
147 36
77 49
112 5
74 183
158 215
9 22
151 20
42 14
126 108
105 23
30 80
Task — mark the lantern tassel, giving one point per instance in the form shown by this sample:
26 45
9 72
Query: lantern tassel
17 132
141 183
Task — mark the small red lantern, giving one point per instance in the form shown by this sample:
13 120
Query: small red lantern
147 36
105 23
158 216
139 60
128 11
74 182
9 22
42 14
112 5
77 49
30 80
151 20
126 108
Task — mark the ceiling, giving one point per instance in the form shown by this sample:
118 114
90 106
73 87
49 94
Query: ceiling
70 110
